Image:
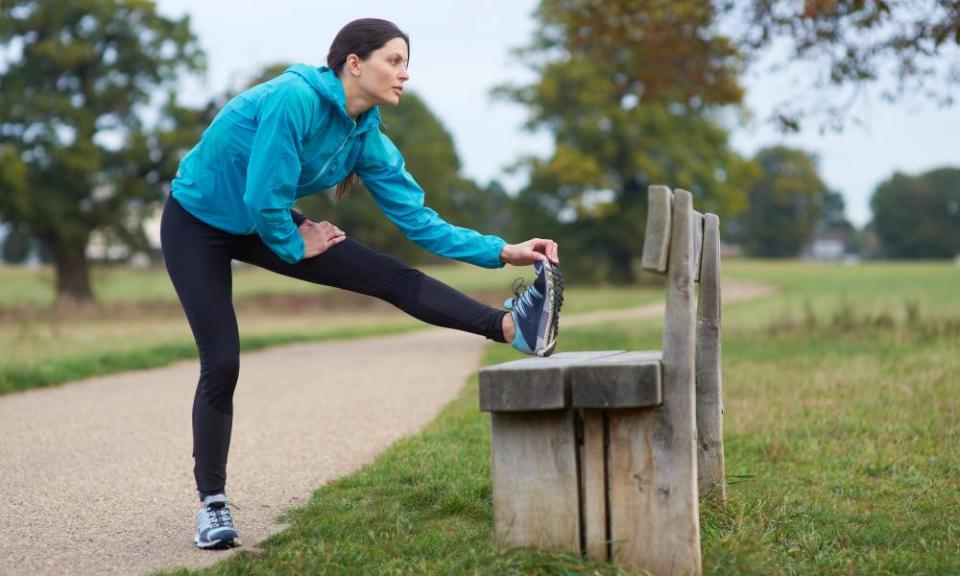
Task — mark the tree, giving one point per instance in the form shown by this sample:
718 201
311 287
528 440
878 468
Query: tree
785 204
833 213
632 91
918 216
75 153
909 48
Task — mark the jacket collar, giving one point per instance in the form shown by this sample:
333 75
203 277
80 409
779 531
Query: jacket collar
327 85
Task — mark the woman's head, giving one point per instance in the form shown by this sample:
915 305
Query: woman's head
370 56
373 52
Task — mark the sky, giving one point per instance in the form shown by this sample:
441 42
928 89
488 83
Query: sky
460 51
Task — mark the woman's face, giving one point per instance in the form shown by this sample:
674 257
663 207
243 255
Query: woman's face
383 74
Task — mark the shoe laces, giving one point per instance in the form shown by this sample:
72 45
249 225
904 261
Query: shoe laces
219 516
523 297
518 287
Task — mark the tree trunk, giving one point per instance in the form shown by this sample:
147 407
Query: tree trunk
72 272
621 267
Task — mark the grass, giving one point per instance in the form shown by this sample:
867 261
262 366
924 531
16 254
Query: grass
112 284
871 288
841 445
21 287
153 351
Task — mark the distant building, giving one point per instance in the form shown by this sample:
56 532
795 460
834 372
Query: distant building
833 244
101 248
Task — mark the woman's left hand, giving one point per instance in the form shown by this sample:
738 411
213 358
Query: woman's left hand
528 252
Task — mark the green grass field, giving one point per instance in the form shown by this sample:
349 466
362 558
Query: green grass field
842 400
842 395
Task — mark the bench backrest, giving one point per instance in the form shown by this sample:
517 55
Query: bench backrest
684 245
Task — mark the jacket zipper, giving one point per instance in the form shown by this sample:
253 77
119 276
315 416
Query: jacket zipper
334 155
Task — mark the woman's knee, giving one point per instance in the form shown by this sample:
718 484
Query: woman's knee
404 277
218 379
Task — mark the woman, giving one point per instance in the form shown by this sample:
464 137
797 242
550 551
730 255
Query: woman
300 133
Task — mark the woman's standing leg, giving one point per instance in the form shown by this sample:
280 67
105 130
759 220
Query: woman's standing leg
197 257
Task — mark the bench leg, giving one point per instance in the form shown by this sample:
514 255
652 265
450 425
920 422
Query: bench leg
534 468
654 522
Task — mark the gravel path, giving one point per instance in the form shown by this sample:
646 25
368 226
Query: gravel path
96 476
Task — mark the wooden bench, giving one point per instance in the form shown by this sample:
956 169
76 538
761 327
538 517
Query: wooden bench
599 452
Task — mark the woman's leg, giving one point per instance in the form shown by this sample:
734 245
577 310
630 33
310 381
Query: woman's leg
197 257
353 266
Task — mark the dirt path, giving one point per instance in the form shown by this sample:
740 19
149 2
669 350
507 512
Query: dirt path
96 476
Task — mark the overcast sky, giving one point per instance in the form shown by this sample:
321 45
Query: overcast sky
460 51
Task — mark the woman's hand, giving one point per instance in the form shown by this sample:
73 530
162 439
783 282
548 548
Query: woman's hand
528 252
318 237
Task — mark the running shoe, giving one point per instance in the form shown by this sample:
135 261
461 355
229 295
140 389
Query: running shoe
536 310
215 527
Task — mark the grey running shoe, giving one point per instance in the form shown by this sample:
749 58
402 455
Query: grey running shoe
215 527
536 311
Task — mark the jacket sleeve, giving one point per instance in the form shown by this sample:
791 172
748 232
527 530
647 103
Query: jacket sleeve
274 169
401 199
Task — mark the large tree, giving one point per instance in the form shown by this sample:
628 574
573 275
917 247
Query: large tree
631 91
918 216
76 156
786 204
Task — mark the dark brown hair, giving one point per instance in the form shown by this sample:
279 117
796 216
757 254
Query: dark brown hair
361 37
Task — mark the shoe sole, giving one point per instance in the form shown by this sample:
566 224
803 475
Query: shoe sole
217 544
554 304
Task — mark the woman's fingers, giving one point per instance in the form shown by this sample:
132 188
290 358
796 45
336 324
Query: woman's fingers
329 231
318 237
546 249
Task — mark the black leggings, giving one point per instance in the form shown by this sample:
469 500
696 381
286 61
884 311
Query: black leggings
198 256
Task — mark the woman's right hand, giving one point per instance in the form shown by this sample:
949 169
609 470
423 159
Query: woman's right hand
318 237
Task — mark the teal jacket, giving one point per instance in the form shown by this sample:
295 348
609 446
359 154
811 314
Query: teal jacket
291 137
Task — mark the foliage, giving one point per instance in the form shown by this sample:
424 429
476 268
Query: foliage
786 203
631 91
919 216
76 156
833 212
16 247
905 48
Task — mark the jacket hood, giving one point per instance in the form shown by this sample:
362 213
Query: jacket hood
327 85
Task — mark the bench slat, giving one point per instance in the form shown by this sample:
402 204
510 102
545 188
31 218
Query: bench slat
697 244
594 486
531 384
656 243
628 380
710 461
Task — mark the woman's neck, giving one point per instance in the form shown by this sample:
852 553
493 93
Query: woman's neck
357 102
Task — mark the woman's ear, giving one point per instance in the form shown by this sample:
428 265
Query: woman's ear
352 65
